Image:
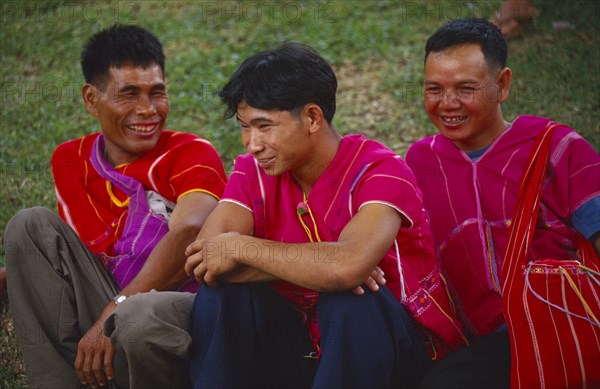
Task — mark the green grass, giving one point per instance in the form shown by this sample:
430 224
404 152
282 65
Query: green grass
376 48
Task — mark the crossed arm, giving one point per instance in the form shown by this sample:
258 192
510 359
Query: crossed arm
162 270
225 252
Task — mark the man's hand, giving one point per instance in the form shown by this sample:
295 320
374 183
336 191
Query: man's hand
95 355
372 282
210 258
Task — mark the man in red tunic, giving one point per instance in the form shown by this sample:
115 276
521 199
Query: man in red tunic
132 197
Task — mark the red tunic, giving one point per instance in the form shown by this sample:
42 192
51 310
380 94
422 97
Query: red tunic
179 164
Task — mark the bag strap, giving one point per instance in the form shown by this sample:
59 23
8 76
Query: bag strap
526 211
128 185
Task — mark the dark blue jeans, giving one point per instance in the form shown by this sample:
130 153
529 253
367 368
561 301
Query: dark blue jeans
246 335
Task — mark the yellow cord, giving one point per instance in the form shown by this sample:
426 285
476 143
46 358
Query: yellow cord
306 229
448 317
589 270
490 252
585 304
114 198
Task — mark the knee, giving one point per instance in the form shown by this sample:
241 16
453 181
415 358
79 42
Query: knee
380 306
337 311
26 229
345 303
123 326
227 295
128 318
19 227
28 217
26 221
147 318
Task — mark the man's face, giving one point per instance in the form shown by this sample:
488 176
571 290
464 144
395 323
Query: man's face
132 110
277 139
463 96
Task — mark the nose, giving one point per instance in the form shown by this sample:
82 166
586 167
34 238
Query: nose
145 106
253 141
449 99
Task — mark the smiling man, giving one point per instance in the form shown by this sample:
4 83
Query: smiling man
305 219
470 175
133 196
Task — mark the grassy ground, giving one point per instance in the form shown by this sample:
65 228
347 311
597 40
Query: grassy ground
376 48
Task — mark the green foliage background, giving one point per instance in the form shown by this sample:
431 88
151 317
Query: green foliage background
376 48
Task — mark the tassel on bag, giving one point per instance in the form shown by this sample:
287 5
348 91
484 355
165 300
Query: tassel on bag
551 306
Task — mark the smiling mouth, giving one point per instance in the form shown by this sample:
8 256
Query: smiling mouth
264 160
265 163
143 129
453 119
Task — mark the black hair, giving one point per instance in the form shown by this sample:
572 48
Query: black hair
286 79
117 46
471 31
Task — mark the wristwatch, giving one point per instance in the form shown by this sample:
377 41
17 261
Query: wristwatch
118 299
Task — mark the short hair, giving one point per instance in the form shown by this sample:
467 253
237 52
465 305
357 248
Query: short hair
117 46
471 31
286 79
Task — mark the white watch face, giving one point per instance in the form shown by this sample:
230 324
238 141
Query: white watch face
119 299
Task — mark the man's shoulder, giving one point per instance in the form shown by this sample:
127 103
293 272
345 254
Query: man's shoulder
529 125
421 146
526 128
362 147
179 136
424 141
172 139
183 147
74 148
369 158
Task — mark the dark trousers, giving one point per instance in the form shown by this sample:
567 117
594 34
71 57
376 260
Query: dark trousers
246 335
483 364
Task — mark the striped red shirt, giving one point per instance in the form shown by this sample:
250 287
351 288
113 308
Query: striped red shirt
180 163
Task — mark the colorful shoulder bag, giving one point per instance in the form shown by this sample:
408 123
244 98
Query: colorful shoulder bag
143 229
551 306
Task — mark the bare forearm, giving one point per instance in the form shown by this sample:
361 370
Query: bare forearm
325 266
163 270
244 274
228 217
331 266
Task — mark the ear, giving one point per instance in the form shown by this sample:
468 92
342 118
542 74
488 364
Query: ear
503 80
90 95
313 113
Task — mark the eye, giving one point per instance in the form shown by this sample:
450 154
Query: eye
466 91
433 89
129 95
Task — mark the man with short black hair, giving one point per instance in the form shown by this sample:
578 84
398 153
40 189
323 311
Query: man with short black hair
470 177
306 217
133 196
